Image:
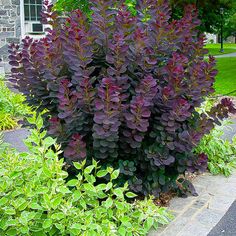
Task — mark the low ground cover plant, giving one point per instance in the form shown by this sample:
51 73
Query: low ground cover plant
11 107
123 89
221 152
37 199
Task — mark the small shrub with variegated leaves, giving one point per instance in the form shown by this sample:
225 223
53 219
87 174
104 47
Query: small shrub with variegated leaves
221 152
12 108
123 89
36 199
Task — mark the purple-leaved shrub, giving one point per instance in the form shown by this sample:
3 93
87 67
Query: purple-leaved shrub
123 89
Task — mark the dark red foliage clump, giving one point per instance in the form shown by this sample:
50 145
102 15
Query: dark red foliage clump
123 89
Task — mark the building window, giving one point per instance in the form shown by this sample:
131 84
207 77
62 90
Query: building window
32 10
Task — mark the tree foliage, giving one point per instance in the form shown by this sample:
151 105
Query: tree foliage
209 12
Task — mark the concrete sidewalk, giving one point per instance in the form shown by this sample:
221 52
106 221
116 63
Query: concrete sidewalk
226 55
196 216
15 138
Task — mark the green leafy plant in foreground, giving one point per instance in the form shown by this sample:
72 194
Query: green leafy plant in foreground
35 198
12 107
221 153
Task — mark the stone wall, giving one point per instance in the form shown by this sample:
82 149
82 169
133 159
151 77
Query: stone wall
10 29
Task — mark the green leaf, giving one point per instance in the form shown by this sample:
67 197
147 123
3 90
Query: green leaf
122 231
120 206
58 216
101 195
19 202
23 206
75 229
10 222
49 141
109 186
12 232
115 174
110 169
63 189
55 202
47 171
130 195
102 173
101 187
61 227
72 183
77 165
149 222
47 223
39 122
108 203
41 190
10 211
118 192
76 195
94 163
89 169
126 221
83 203
35 206
76 226
89 187
3 201
90 178
79 177
24 229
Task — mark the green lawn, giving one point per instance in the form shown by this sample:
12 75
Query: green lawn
214 49
226 78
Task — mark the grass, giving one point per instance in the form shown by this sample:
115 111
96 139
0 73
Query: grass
226 79
214 48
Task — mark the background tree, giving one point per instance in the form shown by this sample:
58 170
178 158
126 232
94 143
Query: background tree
230 27
209 12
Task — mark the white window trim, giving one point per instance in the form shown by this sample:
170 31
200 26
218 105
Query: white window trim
22 20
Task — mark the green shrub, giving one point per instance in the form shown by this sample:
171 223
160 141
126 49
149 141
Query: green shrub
12 107
221 153
35 198
7 121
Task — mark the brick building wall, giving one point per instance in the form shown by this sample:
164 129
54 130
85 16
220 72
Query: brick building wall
10 29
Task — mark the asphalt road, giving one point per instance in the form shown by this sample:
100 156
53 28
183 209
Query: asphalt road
227 225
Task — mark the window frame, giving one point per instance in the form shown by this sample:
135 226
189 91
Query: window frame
36 17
